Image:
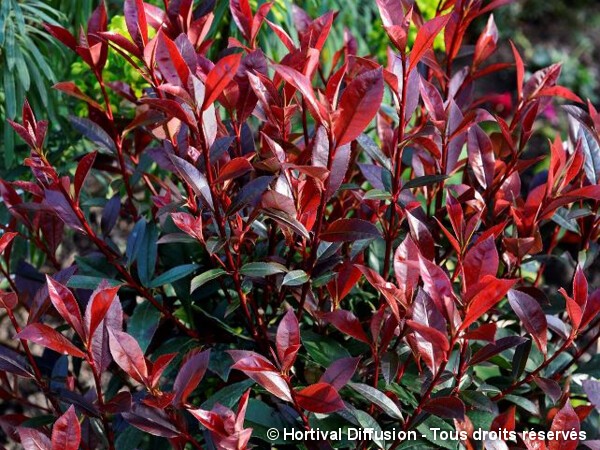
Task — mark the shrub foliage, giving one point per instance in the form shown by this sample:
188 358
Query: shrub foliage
289 247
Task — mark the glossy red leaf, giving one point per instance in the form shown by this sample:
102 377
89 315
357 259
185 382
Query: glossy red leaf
32 439
262 371
48 337
235 168
481 156
288 340
170 61
320 398
189 376
219 77
481 260
98 306
135 19
348 230
83 169
446 407
340 372
66 432
68 87
492 291
532 317
302 84
435 337
580 287
565 420
359 104
495 348
425 37
128 355
346 322
6 239
65 303
62 34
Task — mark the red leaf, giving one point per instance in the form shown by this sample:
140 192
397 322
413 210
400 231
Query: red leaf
391 293
343 230
83 169
242 16
196 180
580 288
259 369
190 374
592 308
48 337
435 337
320 398
446 407
340 372
68 87
481 260
66 432
481 156
6 239
135 19
493 349
98 306
532 316
346 322
339 168
288 340
505 421
32 439
575 312
486 332
170 62
128 355
347 277
220 76
62 35
157 368
359 104
486 44
565 420
66 304
491 292
425 37
302 83
559 91
234 169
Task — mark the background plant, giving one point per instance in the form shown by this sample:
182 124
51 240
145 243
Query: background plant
301 239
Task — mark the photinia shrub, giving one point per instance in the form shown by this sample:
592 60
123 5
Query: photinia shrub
255 243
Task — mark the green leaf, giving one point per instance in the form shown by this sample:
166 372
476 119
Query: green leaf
205 277
322 349
524 403
147 254
134 242
174 274
87 282
143 324
377 397
262 269
368 422
261 417
229 396
295 278
425 180
377 194
426 429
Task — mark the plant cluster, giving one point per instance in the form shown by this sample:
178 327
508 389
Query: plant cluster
278 245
